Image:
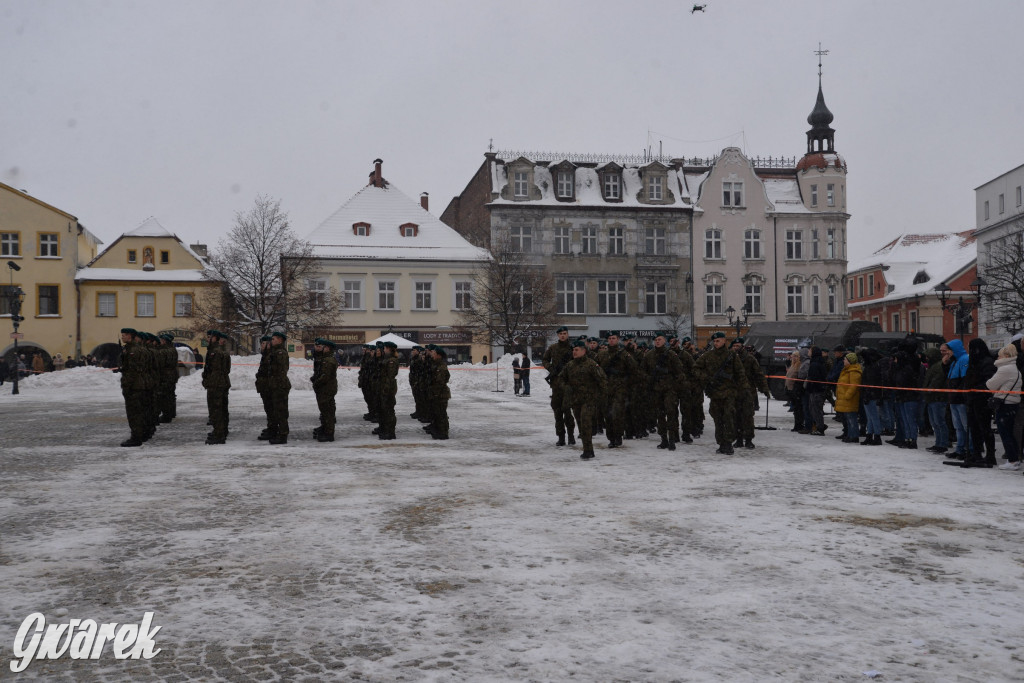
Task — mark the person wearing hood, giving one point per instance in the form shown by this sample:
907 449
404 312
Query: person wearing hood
905 373
872 380
980 368
848 396
795 390
814 388
1006 384
958 399
935 398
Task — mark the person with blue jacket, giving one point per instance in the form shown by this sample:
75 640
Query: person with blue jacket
957 401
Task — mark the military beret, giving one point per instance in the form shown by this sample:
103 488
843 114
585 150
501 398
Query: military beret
279 333
612 333
661 333
563 328
739 340
440 351
718 335
417 347
328 343
840 347
129 330
579 343
378 345
629 337
592 339
166 335
582 337
390 345
687 340
265 337
212 333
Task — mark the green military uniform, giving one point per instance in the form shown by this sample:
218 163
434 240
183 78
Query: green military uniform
417 380
439 393
691 403
746 404
263 384
168 378
364 381
387 391
621 370
217 382
325 386
279 386
150 399
664 373
134 371
556 357
723 378
584 384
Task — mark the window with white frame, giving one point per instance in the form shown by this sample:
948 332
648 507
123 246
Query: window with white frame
656 294
565 184
182 305
562 240
408 230
830 194
520 184
895 322
832 303
794 244
794 299
352 294
522 239
713 243
10 244
317 292
463 295
655 188
611 186
871 284
913 321
814 195
732 194
49 244
386 295
49 299
751 244
522 298
860 287
570 296
815 251
713 298
754 293
654 241
588 239
815 300
106 305
145 305
611 296
830 243
423 295
616 241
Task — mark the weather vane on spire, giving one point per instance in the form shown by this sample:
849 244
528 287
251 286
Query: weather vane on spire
820 53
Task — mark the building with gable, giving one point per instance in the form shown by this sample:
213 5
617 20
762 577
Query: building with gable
47 247
636 243
147 279
398 268
896 285
999 228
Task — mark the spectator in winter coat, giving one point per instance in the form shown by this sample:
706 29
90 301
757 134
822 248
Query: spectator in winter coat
935 398
801 375
38 365
980 368
815 388
517 382
848 396
905 374
958 400
795 391
4 371
1007 379
524 375
872 379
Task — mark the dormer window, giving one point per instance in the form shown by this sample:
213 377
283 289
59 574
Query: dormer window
565 184
655 188
361 229
732 194
521 184
409 230
612 186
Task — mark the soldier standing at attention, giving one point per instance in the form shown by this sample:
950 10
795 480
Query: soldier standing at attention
746 404
620 368
439 394
555 359
263 385
217 382
325 385
585 385
722 375
169 406
664 373
387 390
417 368
279 385
133 375
365 371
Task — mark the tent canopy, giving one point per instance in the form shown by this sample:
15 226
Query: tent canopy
400 342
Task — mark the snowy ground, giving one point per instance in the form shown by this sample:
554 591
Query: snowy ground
495 556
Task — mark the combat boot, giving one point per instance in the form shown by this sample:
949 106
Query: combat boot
266 435
671 445
278 439
586 455
665 443
131 442
324 436
561 441
572 440
725 449
748 443
739 442
211 440
686 438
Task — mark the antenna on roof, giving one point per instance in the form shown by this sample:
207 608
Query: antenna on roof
820 52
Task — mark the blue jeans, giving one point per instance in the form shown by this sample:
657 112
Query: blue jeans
874 421
526 385
852 426
937 418
885 412
963 435
1005 416
907 429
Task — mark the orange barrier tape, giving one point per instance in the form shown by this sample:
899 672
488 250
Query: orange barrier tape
875 386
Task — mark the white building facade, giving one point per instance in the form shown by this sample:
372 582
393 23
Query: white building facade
999 234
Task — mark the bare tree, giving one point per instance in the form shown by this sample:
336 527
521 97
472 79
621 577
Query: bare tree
1003 273
266 271
511 299
676 322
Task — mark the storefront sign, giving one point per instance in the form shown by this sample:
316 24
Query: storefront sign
445 337
411 335
639 334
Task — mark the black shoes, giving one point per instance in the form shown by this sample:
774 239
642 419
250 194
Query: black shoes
324 437
572 440
131 442
725 449
586 455
686 438
277 439
739 443
211 440
665 443
748 443
561 441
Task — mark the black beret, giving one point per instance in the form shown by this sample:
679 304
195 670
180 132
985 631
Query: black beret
718 335
279 333
563 328
129 330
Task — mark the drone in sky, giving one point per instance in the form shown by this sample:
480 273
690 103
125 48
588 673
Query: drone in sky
698 8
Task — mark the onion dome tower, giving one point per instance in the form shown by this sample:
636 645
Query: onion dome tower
821 171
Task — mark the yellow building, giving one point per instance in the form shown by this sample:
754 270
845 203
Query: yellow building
46 246
147 279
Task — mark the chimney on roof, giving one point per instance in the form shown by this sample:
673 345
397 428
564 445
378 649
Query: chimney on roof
199 249
425 201
378 179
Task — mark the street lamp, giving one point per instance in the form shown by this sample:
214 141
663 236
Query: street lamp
741 319
963 312
14 296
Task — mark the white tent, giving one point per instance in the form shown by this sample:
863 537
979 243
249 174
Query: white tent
400 342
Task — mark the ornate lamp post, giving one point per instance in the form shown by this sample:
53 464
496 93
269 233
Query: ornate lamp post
14 297
963 311
741 319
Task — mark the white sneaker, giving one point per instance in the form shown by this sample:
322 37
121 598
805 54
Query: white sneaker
1010 466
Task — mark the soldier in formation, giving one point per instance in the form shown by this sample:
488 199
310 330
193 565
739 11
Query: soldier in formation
437 392
419 372
723 378
584 384
664 373
620 367
168 377
217 382
746 402
263 385
325 386
367 370
279 387
136 386
556 357
386 385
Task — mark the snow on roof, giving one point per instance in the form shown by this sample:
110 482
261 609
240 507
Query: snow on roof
150 228
386 209
784 193
139 275
935 257
588 188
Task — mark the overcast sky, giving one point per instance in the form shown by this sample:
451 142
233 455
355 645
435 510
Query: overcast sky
118 110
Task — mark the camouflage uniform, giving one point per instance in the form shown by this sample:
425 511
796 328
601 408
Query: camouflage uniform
169 380
325 386
746 403
556 357
134 378
364 382
664 372
585 384
439 396
417 381
217 382
723 378
279 386
621 370
263 384
387 388
151 399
